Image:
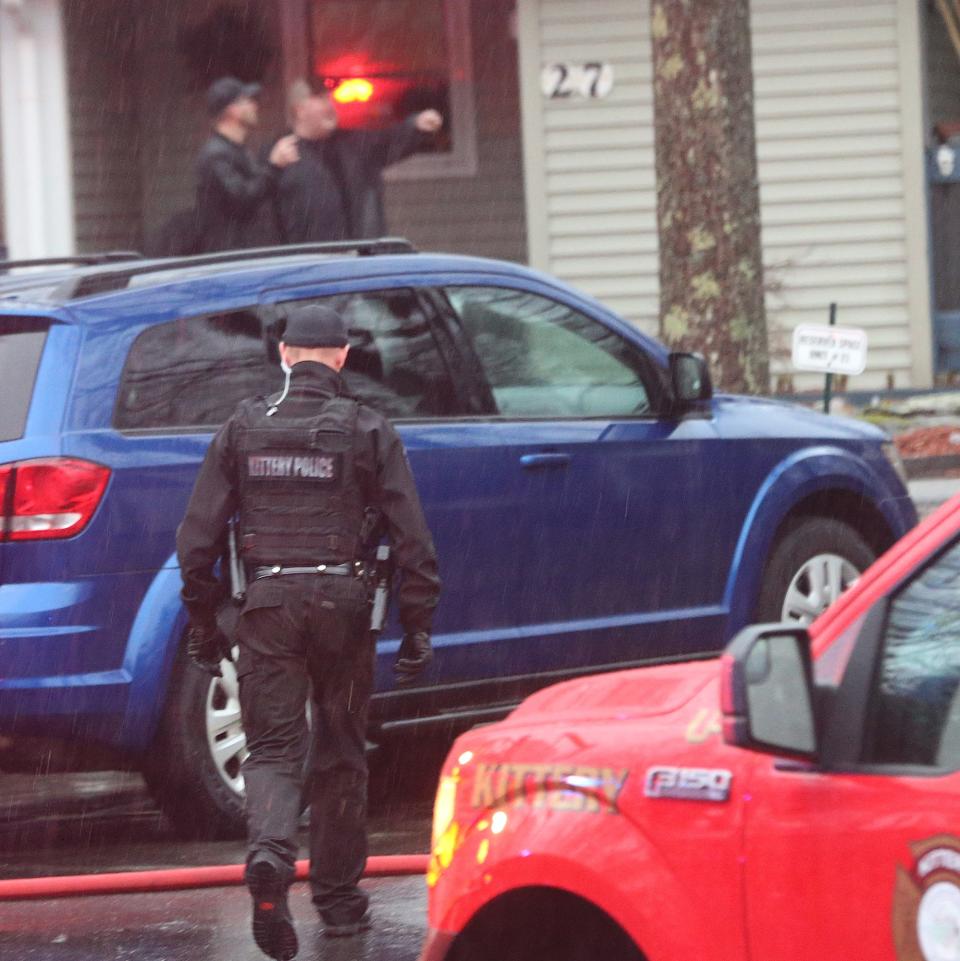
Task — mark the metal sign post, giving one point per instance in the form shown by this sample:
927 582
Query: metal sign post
828 380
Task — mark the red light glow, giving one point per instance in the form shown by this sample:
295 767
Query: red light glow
354 90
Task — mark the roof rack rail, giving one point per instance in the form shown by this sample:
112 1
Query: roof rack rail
87 285
82 260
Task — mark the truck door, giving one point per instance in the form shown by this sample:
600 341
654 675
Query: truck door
860 858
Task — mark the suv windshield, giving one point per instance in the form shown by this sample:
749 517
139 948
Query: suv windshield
21 344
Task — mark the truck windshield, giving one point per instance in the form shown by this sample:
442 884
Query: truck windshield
21 344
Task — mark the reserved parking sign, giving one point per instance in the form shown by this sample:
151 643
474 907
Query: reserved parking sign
830 350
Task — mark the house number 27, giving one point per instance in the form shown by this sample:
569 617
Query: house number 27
563 81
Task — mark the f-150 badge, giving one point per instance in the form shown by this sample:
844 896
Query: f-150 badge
688 783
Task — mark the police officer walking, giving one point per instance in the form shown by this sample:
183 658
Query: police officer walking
299 470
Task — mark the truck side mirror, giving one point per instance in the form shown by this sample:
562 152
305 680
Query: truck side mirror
690 378
767 691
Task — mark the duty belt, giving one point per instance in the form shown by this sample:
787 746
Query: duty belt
344 570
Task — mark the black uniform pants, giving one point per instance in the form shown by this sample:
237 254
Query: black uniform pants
299 630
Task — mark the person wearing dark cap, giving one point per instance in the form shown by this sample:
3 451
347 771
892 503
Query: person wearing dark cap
299 471
231 184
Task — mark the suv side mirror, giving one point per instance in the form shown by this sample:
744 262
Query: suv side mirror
767 691
690 378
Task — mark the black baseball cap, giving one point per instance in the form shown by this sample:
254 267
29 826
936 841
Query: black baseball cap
315 326
223 92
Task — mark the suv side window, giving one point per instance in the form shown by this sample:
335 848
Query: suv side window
394 364
21 345
914 716
192 372
542 358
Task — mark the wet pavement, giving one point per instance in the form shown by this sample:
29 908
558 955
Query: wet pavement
61 824
105 821
212 924
54 824
929 493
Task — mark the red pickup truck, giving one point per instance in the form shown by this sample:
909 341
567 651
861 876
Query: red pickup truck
796 800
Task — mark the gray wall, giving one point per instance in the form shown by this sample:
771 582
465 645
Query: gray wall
943 72
482 215
137 123
136 120
173 121
102 68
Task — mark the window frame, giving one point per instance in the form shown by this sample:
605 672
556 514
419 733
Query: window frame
462 160
872 706
277 298
852 702
647 370
24 324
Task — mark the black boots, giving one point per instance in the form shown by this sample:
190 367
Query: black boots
272 922
347 930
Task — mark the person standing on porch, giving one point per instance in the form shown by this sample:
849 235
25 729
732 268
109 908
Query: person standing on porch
232 185
334 191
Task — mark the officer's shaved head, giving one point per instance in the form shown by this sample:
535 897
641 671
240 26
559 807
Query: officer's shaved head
334 357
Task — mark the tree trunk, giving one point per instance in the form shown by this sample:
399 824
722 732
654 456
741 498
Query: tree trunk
708 201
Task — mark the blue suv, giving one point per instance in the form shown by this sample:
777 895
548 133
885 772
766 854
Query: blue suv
594 506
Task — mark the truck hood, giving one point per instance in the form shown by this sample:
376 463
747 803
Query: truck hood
620 696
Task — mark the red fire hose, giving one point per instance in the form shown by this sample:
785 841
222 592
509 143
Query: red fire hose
175 879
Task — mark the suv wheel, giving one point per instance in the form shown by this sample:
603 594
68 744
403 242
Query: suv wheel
812 564
226 740
193 769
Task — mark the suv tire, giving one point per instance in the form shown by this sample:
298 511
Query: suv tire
180 770
812 562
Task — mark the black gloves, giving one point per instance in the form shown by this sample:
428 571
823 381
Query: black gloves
414 655
207 647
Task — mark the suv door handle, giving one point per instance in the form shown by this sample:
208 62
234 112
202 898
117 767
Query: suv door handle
536 461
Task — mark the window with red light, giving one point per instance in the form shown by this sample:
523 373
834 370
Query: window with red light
384 60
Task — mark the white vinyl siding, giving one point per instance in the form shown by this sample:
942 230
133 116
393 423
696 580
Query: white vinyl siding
830 151
38 205
594 162
830 143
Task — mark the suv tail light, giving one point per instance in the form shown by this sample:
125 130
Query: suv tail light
48 498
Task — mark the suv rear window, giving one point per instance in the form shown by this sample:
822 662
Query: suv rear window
191 373
21 344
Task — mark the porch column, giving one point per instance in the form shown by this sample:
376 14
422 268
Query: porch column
34 126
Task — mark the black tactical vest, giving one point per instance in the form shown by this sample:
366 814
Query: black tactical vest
300 503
